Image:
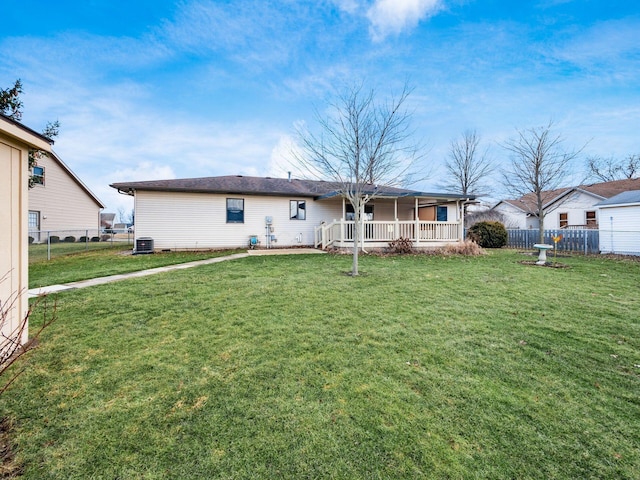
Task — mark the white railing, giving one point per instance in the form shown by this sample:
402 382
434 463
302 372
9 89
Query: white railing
342 231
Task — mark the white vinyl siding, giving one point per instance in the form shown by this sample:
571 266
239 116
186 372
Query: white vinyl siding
186 221
619 229
574 206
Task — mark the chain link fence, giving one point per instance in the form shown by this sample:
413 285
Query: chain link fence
48 244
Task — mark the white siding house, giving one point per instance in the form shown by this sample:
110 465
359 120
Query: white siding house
59 200
619 226
199 220
515 216
225 212
572 207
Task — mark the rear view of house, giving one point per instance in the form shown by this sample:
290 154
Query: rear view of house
230 211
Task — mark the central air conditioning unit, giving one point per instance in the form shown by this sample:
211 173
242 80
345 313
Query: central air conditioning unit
143 245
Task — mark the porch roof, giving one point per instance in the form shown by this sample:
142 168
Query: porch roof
390 192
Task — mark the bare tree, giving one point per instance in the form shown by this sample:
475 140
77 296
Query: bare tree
538 164
11 346
610 169
467 166
122 216
363 146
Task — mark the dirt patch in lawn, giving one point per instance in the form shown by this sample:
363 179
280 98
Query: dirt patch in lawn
548 264
9 468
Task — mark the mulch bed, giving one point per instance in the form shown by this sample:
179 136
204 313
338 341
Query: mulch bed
548 264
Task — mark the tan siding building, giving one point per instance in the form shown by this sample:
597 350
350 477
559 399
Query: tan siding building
15 142
61 201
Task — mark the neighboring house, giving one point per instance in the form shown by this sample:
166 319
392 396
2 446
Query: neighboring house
620 223
15 142
226 212
59 201
572 207
107 220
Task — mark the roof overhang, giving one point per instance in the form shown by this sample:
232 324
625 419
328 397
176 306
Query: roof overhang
23 134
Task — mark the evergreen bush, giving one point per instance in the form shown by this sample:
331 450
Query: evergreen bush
488 234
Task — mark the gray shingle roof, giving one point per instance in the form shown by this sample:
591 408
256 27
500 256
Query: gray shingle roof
240 184
632 196
235 184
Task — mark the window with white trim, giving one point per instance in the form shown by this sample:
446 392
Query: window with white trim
368 212
297 210
564 220
37 176
235 210
34 220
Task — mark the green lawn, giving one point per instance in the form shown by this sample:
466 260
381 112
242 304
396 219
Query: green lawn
285 367
103 262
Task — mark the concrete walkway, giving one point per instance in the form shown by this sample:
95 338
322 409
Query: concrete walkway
36 292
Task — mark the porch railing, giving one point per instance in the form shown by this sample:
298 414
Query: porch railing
341 231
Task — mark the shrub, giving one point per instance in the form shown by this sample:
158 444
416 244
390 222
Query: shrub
467 247
31 240
401 245
54 239
70 239
105 238
488 234
95 239
83 239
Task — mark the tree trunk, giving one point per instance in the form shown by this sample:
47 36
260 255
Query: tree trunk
356 239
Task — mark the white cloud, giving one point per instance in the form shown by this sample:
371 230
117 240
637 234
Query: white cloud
606 44
349 6
389 17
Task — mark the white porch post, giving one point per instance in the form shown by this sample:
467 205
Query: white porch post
342 220
417 226
460 221
396 232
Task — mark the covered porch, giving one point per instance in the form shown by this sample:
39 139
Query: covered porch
428 221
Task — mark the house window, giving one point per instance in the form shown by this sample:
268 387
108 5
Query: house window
368 213
564 220
297 210
38 175
34 220
592 221
441 213
235 210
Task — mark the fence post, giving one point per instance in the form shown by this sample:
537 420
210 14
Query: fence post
48 245
86 240
586 236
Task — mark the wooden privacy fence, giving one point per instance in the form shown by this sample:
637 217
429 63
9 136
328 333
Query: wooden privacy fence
579 241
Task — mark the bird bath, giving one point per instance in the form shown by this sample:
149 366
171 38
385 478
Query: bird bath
542 257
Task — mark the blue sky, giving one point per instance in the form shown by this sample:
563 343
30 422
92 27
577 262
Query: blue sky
149 89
